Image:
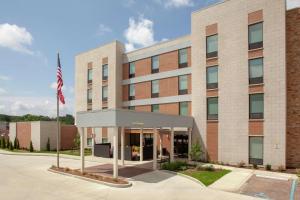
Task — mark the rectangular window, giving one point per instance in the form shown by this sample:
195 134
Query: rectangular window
131 70
131 108
212 46
183 85
104 93
255 36
256 150
212 77
256 106
155 64
155 88
104 140
155 108
212 108
256 71
89 142
89 95
131 92
183 109
183 58
104 72
90 75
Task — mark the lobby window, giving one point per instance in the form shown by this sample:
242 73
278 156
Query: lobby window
183 85
256 147
89 142
255 36
155 108
155 88
131 92
212 77
183 108
183 58
104 140
104 72
131 108
90 75
212 46
256 71
89 96
212 108
155 64
131 70
256 106
104 93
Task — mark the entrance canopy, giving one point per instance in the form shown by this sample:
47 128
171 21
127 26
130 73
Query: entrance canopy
130 119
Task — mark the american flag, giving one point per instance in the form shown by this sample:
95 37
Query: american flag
60 82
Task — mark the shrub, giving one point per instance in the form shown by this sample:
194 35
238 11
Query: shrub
15 142
196 152
31 147
255 166
48 144
8 143
76 141
18 144
174 166
281 168
268 167
209 168
241 164
11 146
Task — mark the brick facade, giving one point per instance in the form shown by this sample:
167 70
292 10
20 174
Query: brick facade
23 134
68 133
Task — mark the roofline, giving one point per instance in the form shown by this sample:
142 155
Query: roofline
209 6
92 49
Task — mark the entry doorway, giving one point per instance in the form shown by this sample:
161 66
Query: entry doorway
181 143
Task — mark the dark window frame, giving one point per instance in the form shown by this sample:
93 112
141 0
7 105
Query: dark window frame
89 100
211 116
183 91
154 95
130 97
90 81
212 85
182 65
104 98
129 74
156 70
152 110
213 54
187 103
256 160
258 80
131 107
256 115
104 78
256 45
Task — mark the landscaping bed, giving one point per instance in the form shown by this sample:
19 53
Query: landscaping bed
75 152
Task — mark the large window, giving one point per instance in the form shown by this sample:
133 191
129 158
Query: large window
183 85
183 58
155 88
212 108
89 142
212 77
155 108
212 46
104 72
89 96
256 147
255 36
155 64
104 93
183 108
131 70
131 108
256 71
256 106
90 75
131 92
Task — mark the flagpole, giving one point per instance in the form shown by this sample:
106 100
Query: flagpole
58 127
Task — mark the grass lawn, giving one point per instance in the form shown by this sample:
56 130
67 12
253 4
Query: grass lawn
76 152
206 177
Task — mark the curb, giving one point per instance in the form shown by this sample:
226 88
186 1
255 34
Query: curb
185 176
93 180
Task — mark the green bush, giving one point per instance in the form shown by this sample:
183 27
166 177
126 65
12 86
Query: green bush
196 152
18 144
3 145
174 166
255 166
48 144
209 168
15 143
11 146
31 147
268 167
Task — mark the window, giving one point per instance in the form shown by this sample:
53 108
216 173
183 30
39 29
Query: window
256 106
212 108
155 64
90 75
183 58
104 93
89 95
104 140
183 108
131 70
255 36
212 46
155 88
131 108
183 85
256 71
89 142
212 77
256 145
131 92
155 108
104 72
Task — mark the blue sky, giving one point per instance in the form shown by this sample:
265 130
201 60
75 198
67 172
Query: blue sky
32 31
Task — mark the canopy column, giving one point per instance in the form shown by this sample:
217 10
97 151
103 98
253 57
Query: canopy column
115 154
190 142
154 148
172 145
160 145
81 132
122 145
141 145
93 141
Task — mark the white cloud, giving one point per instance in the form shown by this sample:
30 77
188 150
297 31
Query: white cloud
103 29
139 33
292 4
4 78
15 38
176 3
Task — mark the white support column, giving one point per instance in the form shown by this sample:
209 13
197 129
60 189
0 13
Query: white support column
190 142
160 145
115 154
122 145
81 132
154 148
141 145
172 145
93 141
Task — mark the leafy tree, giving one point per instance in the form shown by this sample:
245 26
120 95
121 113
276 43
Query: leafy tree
196 152
31 147
48 144
3 145
15 143
77 141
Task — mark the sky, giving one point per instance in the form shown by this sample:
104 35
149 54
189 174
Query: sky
33 31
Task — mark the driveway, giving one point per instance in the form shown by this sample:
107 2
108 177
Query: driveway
26 177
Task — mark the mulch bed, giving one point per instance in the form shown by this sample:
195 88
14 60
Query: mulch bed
91 176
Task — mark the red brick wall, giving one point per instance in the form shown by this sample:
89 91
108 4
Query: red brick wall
168 61
293 88
169 108
23 133
212 140
143 67
145 108
143 90
68 133
168 87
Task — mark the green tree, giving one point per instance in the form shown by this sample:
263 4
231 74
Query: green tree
77 141
15 143
196 152
18 144
31 147
11 146
48 144
3 145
